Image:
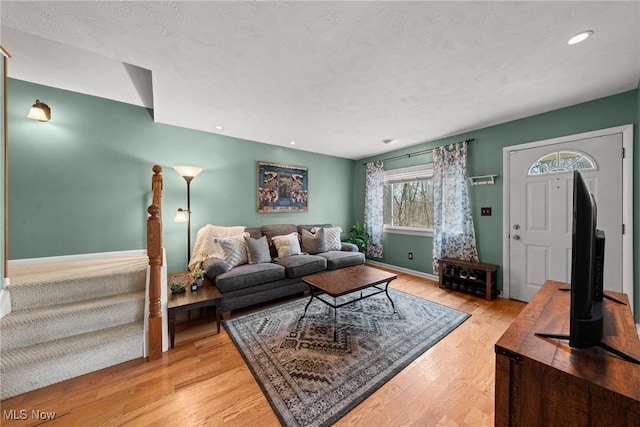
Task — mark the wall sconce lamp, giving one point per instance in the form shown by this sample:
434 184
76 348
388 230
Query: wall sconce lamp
181 216
188 173
40 111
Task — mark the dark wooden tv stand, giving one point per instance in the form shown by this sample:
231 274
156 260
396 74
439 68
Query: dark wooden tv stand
542 381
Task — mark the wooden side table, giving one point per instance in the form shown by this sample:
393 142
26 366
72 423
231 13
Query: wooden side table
207 295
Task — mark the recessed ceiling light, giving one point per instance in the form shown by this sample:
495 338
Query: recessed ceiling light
219 127
580 37
292 142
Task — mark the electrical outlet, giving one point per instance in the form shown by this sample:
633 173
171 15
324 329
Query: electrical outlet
485 211
410 255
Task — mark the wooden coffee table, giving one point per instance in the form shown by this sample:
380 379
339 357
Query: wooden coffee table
344 281
207 295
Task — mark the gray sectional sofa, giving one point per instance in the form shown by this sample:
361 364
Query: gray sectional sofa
254 283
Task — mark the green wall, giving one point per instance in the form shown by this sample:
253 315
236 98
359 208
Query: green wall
485 157
81 182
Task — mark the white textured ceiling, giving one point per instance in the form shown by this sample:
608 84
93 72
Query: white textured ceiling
336 77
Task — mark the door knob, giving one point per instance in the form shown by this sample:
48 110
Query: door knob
516 237
516 227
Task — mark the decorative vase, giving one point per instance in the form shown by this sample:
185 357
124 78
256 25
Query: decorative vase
199 282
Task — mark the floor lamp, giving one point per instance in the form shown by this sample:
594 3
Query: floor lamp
188 173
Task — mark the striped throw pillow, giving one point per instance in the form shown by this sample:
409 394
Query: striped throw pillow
234 249
331 237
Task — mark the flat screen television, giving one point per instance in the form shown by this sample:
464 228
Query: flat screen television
586 301
587 269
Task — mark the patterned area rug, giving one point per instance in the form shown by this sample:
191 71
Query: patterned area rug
312 380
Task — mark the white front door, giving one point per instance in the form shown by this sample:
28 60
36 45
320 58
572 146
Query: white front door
541 207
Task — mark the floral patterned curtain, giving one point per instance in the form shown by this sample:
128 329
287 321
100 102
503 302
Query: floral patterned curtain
453 232
373 205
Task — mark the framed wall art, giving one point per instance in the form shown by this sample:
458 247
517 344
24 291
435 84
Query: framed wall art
282 188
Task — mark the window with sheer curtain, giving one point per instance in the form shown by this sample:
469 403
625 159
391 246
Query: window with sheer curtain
408 200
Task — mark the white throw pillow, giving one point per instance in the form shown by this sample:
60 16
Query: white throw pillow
287 245
331 237
234 249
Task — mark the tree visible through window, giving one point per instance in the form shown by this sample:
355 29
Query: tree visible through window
408 198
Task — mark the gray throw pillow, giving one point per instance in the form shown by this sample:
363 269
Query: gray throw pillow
257 250
313 243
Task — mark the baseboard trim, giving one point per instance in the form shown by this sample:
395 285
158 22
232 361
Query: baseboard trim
405 270
79 257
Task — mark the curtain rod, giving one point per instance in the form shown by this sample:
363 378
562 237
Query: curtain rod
417 153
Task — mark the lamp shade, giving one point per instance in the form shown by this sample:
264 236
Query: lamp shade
188 171
40 112
181 216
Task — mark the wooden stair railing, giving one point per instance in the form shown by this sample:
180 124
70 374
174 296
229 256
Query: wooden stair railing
154 252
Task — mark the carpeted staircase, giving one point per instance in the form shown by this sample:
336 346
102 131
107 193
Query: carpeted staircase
69 318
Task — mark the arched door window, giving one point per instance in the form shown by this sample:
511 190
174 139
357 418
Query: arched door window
561 162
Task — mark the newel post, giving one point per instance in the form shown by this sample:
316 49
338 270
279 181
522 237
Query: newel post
154 252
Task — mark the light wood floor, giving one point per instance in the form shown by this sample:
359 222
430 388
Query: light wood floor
204 381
